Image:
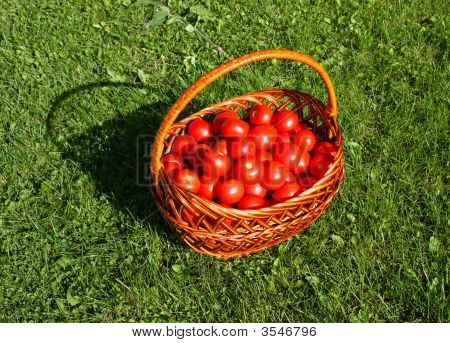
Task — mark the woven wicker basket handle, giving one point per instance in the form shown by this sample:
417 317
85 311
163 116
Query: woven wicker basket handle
213 75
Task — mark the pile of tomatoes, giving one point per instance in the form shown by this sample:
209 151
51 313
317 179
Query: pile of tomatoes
268 158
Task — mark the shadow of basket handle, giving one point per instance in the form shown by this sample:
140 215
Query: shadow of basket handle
225 68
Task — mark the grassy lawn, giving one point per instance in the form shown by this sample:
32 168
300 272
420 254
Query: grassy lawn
79 236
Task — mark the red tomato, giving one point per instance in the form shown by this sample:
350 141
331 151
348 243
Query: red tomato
172 158
285 121
170 167
274 174
306 182
303 163
264 136
220 146
242 147
234 128
283 137
220 118
320 164
229 191
215 165
255 189
250 201
305 139
247 169
187 179
260 115
206 189
324 148
200 130
290 177
225 205
287 191
301 127
182 144
194 157
263 155
289 154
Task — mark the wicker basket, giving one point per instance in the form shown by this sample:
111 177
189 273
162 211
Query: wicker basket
211 229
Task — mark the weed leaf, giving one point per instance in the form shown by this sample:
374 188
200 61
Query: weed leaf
159 17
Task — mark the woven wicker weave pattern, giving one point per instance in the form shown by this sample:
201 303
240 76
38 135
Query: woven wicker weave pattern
226 233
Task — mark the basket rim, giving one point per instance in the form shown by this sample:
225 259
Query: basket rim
252 93
333 169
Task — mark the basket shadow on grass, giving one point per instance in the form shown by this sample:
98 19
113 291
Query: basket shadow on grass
116 156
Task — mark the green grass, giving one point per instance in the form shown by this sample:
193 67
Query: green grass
79 237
